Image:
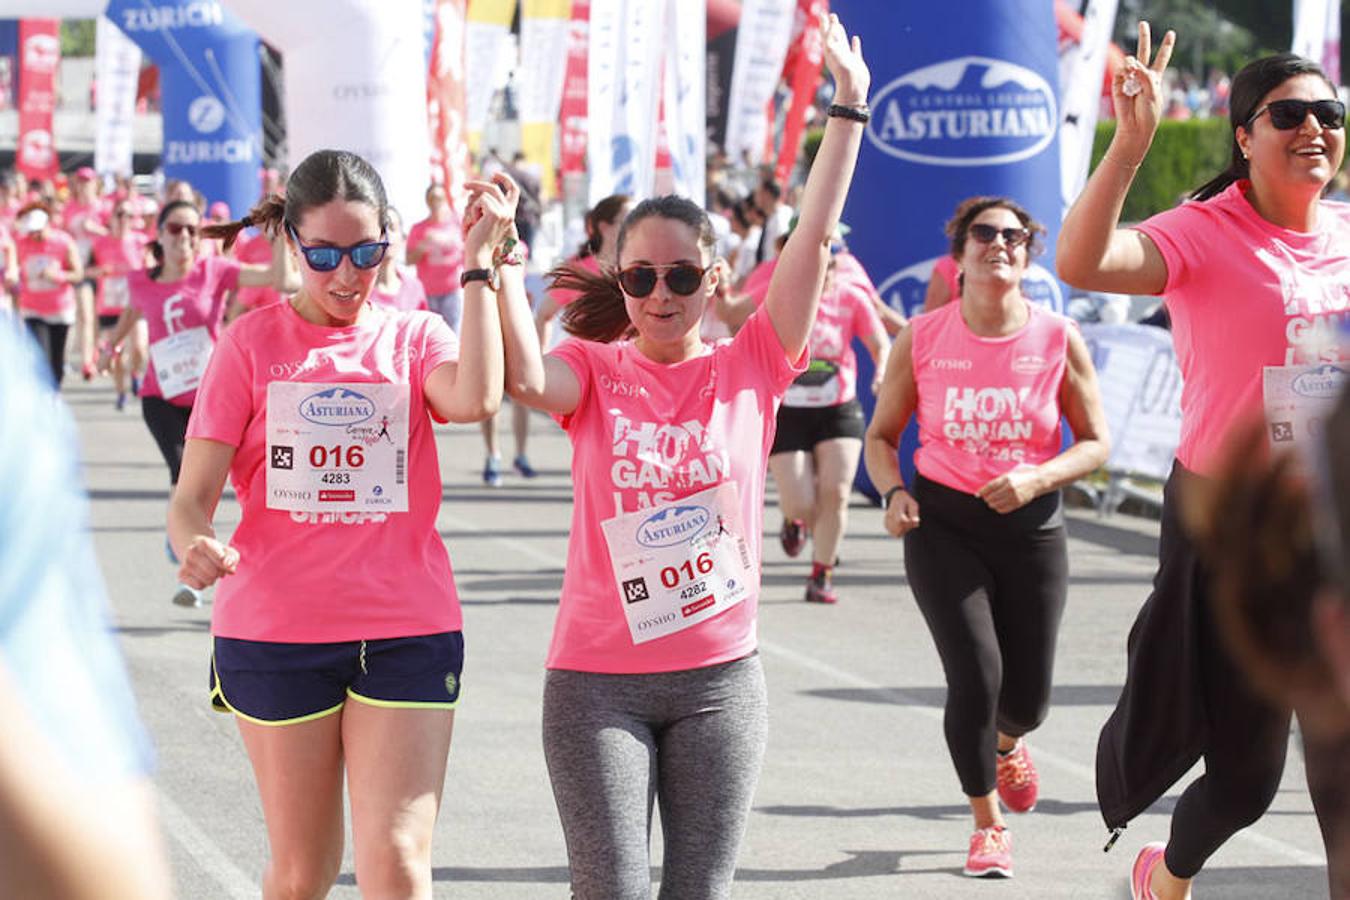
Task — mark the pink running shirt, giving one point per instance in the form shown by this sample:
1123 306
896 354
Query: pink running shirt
118 257
409 297
318 577
38 297
986 404
441 267
1244 294
255 248
196 300
643 434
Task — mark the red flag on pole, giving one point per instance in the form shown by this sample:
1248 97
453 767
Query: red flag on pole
39 58
572 114
801 70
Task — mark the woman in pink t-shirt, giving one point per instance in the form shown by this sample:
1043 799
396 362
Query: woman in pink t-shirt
49 269
653 686
944 286
397 287
1255 273
336 628
436 247
113 257
989 378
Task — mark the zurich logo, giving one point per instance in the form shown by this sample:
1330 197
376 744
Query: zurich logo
336 406
969 111
1323 383
206 114
672 526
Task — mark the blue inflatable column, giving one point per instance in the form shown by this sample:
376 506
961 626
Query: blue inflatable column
211 86
961 105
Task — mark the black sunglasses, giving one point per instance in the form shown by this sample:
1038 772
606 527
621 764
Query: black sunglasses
178 228
366 255
1287 114
1013 237
682 279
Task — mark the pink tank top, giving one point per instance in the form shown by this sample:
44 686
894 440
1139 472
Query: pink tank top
986 405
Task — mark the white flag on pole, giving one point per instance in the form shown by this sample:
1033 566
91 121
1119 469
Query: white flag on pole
686 95
1082 66
117 64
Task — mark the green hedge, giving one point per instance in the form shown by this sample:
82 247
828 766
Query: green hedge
1184 156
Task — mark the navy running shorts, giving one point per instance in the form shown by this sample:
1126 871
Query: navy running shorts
273 683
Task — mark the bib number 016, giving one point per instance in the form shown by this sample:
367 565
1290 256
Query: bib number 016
690 568
321 457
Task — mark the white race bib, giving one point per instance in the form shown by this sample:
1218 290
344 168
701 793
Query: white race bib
681 563
337 447
818 386
1298 399
116 294
180 360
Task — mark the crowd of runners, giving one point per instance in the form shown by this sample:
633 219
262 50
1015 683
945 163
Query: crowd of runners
305 351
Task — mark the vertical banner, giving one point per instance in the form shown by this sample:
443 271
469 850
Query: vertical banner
1317 34
117 64
623 96
761 46
723 17
445 100
39 58
356 79
961 105
212 92
685 96
485 35
572 113
806 55
544 51
1082 65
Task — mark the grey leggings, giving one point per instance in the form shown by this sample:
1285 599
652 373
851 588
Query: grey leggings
693 740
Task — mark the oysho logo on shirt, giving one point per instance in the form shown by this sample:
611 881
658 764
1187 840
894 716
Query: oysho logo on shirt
621 387
968 111
949 365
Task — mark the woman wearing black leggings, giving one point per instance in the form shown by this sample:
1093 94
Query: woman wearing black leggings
989 378
49 269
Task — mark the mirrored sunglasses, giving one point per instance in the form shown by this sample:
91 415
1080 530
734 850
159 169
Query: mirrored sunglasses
325 259
1287 114
985 234
683 279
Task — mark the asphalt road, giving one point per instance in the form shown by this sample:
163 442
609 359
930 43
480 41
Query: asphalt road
857 798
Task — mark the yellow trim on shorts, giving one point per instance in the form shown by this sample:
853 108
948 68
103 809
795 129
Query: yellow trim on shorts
218 700
401 704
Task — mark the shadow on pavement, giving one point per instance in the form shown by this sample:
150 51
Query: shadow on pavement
1061 695
1121 540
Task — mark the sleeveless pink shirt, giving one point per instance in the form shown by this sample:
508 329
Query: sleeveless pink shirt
986 405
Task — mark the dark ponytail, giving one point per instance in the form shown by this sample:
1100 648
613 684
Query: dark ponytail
1250 86
268 215
600 313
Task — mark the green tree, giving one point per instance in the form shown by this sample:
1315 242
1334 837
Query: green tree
77 37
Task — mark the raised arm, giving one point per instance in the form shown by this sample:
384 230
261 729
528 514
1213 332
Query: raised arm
1093 252
280 273
794 292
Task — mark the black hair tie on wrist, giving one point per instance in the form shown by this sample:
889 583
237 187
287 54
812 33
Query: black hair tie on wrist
853 113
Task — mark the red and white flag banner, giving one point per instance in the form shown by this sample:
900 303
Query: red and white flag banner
446 113
39 58
801 71
761 46
1317 34
572 116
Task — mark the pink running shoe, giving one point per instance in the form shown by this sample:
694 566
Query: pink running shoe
990 853
792 536
1149 858
1018 783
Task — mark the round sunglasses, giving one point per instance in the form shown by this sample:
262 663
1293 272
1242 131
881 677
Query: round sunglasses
1013 237
324 258
1287 114
683 279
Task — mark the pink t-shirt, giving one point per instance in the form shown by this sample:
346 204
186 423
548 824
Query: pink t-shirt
38 297
409 296
949 271
986 404
1243 294
644 434
78 216
118 257
562 296
442 264
256 249
196 300
318 577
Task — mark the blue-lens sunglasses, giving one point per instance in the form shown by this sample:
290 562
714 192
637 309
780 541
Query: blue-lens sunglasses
325 258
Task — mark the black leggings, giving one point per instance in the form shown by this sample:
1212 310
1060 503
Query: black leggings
991 588
52 339
168 425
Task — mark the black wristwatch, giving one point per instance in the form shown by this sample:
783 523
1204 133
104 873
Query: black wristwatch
490 276
886 497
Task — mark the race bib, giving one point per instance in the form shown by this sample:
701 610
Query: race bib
180 360
116 294
679 564
337 447
35 271
818 386
1298 399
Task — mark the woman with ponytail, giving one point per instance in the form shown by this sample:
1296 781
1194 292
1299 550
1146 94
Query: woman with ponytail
654 689
182 301
1255 273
